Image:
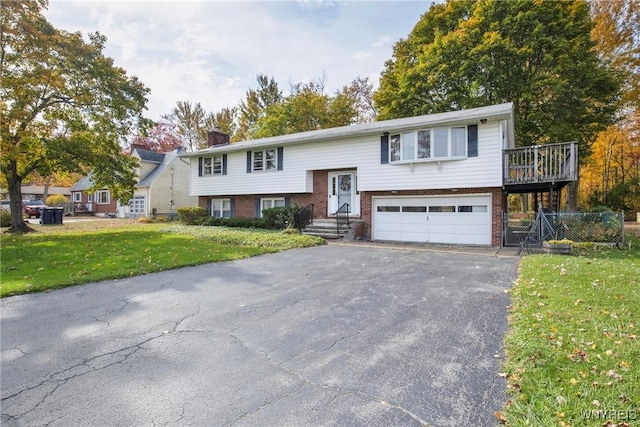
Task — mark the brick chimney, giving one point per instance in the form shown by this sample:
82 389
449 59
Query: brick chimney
217 138
135 147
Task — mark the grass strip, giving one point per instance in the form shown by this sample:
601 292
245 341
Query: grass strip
57 258
573 349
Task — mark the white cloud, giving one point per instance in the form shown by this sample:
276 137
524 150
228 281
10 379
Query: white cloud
210 52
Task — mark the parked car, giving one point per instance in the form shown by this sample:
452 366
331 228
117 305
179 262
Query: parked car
6 205
32 208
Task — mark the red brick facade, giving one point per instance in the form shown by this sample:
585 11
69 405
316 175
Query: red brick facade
245 204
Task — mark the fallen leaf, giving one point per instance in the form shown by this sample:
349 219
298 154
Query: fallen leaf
500 416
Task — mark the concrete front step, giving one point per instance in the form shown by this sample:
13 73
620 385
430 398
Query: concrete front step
324 235
325 228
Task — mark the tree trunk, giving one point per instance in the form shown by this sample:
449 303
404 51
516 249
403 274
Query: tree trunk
47 184
14 183
572 196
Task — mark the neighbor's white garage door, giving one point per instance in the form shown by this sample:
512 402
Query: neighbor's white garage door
459 219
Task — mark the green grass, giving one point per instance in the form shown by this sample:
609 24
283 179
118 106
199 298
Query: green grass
573 349
58 257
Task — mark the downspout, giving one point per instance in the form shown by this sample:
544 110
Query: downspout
171 203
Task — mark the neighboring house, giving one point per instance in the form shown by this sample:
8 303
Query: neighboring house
36 192
439 178
163 184
86 201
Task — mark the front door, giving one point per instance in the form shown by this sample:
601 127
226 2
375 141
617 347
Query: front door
342 189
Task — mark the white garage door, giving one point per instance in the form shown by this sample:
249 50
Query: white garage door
459 219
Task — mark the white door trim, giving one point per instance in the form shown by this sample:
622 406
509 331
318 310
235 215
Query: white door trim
332 192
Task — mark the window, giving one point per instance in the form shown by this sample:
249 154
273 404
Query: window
268 160
473 208
442 208
103 197
428 144
77 197
271 203
221 208
212 165
388 209
265 160
89 198
414 209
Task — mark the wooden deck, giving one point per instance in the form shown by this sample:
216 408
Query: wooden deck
541 164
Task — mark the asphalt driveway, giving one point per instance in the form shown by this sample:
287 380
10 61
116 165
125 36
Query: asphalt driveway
331 335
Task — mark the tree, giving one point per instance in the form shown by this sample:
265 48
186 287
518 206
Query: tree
611 175
360 91
64 106
160 137
536 54
255 104
188 121
617 36
306 108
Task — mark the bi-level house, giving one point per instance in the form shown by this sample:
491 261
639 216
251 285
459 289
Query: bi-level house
440 178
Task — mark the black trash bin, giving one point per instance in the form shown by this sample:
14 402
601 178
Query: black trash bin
46 215
58 213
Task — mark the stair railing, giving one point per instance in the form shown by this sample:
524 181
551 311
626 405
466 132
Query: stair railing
342 217
304 217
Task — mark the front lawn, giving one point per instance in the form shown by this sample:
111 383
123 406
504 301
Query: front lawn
56 257
573 350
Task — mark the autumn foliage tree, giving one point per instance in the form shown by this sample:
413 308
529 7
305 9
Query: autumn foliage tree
161 137
64 106
611 175
537 54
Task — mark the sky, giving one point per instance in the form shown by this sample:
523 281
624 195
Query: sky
211 51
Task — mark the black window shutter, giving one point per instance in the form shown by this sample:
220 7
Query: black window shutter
280 158
472 141
209 204
224 164
233 206
199 166
248 161
287 202
384 149
256 212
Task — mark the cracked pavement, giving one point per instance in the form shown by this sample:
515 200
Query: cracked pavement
332 335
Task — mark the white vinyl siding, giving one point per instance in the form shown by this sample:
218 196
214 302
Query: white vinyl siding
363 154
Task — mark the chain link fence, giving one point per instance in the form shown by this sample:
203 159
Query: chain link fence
601 227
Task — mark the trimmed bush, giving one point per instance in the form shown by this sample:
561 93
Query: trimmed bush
189 214
5 218
280 218
56 201
231 222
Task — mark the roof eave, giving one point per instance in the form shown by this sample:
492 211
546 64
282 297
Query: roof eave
458 117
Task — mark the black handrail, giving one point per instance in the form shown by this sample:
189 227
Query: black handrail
304 216
344 209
